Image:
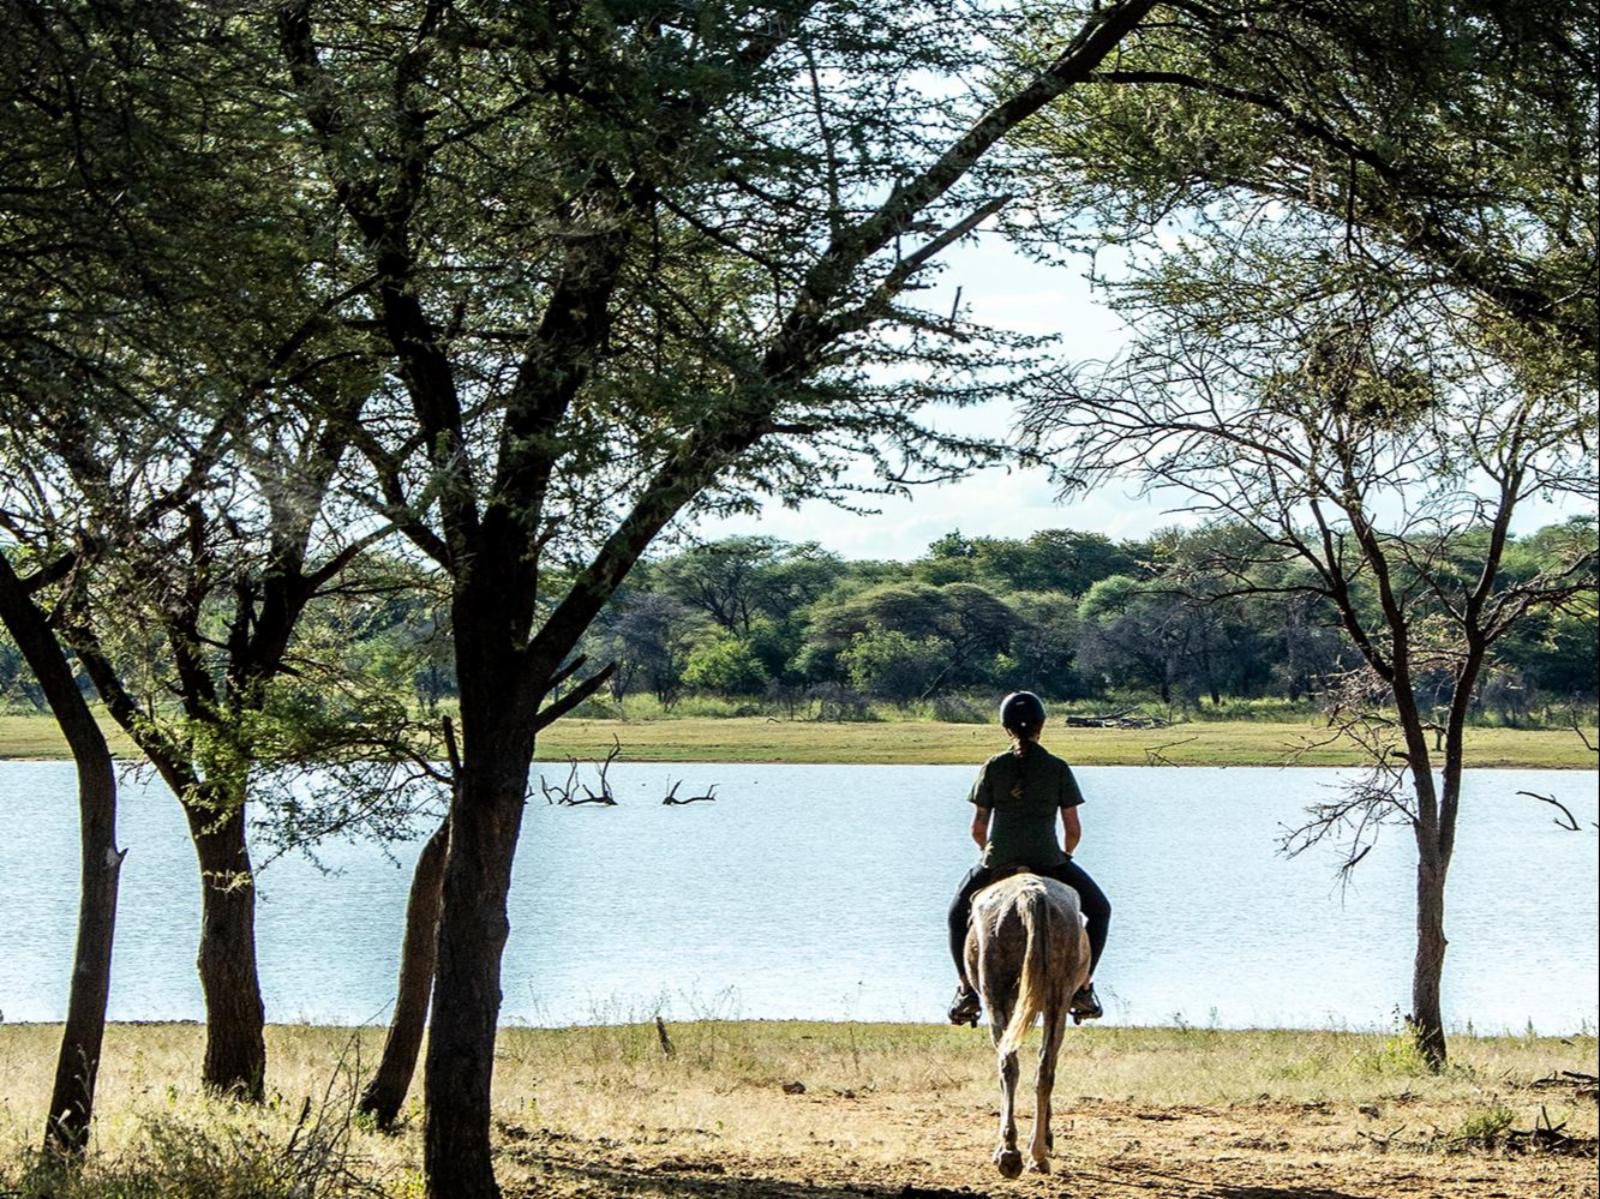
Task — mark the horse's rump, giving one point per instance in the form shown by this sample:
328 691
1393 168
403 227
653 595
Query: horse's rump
1031 951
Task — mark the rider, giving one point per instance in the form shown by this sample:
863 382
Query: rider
1016 799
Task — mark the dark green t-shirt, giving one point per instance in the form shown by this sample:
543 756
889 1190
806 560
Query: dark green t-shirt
1025 792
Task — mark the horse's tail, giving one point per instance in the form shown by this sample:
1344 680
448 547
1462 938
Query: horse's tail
1033 985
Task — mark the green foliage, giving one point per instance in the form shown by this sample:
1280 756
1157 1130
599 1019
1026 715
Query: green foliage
18 688
1449 144
958 709
1109 599
893 665
972 623
186 1159
1394 1055
1049 560
1486 1126
728 665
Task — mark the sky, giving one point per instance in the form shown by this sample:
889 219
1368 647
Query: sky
1007 291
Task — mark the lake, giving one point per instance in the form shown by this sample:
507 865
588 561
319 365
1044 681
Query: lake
820 892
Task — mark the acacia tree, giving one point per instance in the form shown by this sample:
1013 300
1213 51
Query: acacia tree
100 865
58 266
722 578
186 400
1452 141
628 263
190 575
1131 633
1355 428
1386 220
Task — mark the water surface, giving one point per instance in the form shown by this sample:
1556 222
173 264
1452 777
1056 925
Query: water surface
820 891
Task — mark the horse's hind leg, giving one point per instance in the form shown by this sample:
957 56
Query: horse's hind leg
1007 1157
1043 1142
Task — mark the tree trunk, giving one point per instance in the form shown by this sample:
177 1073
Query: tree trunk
485 818
1427 1021
236 1049
418 952
72 1096
78 1062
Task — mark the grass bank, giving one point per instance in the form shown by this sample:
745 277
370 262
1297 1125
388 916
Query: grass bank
931 742
821 1111
1201 743
39 737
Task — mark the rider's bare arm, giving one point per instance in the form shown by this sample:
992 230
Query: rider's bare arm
1071 829
980 826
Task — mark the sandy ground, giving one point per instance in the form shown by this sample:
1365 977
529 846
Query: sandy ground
753 1110
1105 1150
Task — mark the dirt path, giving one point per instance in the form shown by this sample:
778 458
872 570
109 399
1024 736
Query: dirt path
1105 1150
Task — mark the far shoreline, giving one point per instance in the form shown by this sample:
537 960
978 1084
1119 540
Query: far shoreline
759 740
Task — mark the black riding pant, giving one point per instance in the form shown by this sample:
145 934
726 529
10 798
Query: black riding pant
1096 909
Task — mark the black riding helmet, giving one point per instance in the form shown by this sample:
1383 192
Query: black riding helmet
1021 709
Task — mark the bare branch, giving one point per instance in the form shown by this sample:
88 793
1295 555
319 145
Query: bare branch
1566 820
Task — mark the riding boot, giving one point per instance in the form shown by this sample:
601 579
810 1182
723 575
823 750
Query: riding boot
966 1007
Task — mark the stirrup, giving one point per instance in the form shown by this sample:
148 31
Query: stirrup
1086 1005
966 1008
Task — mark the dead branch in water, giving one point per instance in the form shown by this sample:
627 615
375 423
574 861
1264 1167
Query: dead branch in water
605 795
1566 820
672 795
567 793
563 793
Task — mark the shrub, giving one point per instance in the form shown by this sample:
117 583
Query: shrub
839 703
184 1159
726 665
597 708
889 664
1484 1128
958 709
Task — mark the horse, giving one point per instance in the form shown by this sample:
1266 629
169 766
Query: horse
1028 953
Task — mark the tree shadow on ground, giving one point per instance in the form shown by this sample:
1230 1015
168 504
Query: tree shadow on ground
687 1178
1274 1192
711 1180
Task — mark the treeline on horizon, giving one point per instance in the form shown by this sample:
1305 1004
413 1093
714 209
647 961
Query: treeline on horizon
1183 617
1186 618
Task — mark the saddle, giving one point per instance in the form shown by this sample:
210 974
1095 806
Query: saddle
1001 874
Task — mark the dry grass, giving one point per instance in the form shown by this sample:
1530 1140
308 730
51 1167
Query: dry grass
602 1111
729 1076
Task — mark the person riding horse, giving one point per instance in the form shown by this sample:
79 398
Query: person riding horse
1015 801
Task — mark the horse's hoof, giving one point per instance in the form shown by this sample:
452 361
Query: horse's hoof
1008 1162
1041 1166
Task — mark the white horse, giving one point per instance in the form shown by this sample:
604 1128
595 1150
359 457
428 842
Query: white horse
1028 953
